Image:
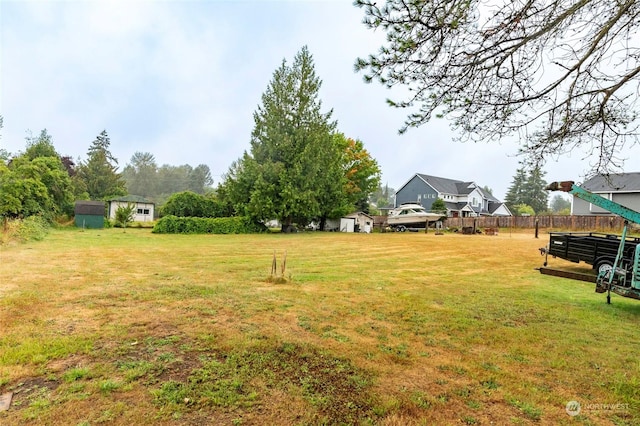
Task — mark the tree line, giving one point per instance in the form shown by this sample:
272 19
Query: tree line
41 181
299 168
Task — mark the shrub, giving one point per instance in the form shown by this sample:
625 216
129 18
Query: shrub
439 206
33 228
124 215
198 225
183 204
27 229
190 204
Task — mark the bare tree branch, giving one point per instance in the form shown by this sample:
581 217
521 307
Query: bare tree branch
561 74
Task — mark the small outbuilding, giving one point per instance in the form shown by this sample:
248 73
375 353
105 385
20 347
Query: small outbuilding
89 214
357 222
143 208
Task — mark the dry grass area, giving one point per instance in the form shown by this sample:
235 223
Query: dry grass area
113 327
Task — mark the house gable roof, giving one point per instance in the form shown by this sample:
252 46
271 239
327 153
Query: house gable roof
463 205
495 206
455 187
622 182
442 185
132 199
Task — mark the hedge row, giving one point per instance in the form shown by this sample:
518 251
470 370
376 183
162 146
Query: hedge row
200 225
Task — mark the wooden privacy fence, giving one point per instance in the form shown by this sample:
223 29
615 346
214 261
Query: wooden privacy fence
573 223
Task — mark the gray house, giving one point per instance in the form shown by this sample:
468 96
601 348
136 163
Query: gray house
623 188
461 198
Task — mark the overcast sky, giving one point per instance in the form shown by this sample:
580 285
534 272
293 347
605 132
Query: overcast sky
182 79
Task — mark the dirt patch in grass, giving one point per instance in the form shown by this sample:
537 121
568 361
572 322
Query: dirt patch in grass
57 366
329 388
30 391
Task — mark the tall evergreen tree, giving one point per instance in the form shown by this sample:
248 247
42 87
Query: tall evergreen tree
101 146
515 193
527 189
333 197
290 146
100 172
535 194
383 196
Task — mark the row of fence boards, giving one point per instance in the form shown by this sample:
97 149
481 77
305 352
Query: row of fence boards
607 223
577 223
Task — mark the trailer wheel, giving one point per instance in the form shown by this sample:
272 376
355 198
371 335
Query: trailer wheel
401 228
604 266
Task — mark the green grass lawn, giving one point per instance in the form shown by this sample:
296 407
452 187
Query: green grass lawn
107 326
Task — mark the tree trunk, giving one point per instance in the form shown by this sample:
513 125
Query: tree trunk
323 222
287 226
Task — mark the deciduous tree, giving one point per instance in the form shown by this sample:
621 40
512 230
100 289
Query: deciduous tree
21 196
361 171
199 179
40 146
35 187
141 175
523 210
439 206
560 74
124 215
190 204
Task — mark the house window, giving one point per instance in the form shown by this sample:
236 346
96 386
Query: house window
143 211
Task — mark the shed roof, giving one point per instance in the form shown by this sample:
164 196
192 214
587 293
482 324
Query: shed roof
356 214
131 199
621 182
96 208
